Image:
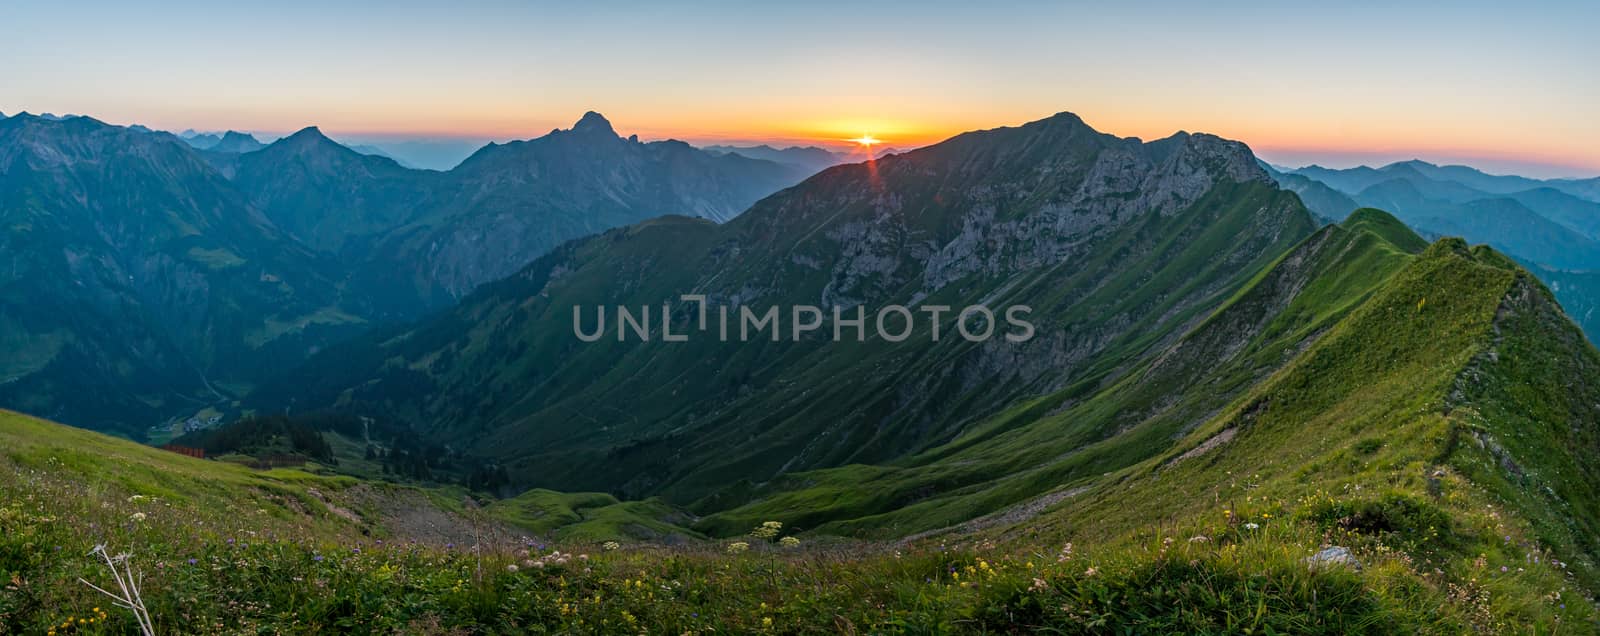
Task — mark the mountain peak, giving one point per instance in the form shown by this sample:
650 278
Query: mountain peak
237 142
307 133
305 138
593 122
234 135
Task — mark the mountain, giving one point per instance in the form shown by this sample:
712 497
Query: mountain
416 240
234 142
1512 227
1550 230
327 195
1587 189
200 141
1577 214
509 203
1117 245
140 281
425 154
809 158
1208 366
1328 204
1462 179
187 275
368 149
1474 178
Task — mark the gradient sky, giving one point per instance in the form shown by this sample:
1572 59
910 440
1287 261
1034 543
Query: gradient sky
1509 88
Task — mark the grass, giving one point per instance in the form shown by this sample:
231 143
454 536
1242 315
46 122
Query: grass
1429 410
592 518
211 569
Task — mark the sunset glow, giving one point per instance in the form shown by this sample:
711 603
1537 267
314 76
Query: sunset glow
1283 78
865 140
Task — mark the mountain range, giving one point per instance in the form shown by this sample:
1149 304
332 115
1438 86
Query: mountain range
810 159
1550 226
1225 414
140 280
1125 252
188 275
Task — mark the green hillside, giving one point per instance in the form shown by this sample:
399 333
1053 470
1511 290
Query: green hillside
1429 412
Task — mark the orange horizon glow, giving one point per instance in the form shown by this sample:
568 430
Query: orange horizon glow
1435 139
1279 77
866 141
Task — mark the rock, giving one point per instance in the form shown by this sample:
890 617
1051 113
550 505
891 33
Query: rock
1334 555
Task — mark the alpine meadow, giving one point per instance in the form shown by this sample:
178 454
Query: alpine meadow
755 370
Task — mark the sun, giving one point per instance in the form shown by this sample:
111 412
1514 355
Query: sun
865 141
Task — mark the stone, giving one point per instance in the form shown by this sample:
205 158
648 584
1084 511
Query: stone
1335 555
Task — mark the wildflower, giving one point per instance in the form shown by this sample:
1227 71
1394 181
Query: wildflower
138 516
136 499
766 622
767 530
610 546
738 547
1199 538
1251 526
1039 585
789 542
1092 572
511 567
193 561
1065 555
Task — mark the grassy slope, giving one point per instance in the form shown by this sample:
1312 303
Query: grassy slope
1408 433
1059 440
1368 438
105 468
592 517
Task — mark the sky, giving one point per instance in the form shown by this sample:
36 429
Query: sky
1508 87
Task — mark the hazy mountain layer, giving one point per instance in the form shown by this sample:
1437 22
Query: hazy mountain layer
1548 225
140 282
150 279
